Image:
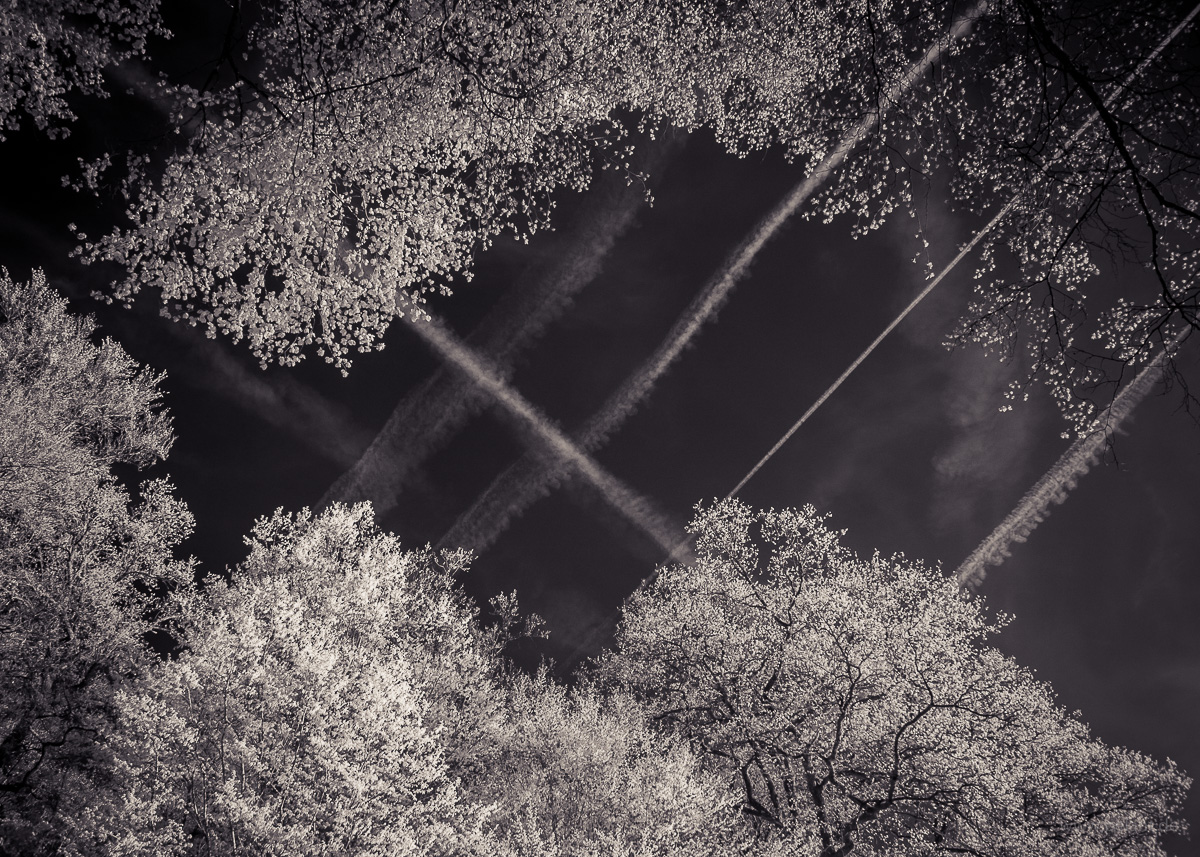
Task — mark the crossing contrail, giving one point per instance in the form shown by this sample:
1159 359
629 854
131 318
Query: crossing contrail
1062 477
527 480
554 442
426 418
1068 469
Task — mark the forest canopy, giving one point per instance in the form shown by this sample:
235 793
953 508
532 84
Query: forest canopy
331 165
338 160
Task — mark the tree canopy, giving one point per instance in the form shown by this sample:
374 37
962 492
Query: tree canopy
352 156
53 49
296 720
340 694
855 706
80 561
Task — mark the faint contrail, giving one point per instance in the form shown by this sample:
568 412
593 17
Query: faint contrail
280 401
975 239
1069 462
140 83
512 492
556 444
1053 487
425 419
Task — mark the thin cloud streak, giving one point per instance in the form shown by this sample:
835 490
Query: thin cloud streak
528 479
554 441
517 488
1063 476
858 361
138 82
280 401
962 253
429 416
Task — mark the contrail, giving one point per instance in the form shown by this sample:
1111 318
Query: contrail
975 239
716 291
140 83
1067 467
281 401
428 417
634 507
933 284
528 479
1062 478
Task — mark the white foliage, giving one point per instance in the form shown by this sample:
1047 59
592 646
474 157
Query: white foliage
298 720
584 774
854 705
79 560
50 49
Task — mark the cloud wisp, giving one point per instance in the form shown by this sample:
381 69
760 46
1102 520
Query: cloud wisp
1063 476
962 253
280 401
426 419
553 443
528 479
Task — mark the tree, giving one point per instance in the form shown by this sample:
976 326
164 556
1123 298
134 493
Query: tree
50 49
80 562
366 149
297 720
357 159
581 772
341 695
855 707
345 157
1092 139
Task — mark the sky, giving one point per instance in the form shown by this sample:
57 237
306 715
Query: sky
911 455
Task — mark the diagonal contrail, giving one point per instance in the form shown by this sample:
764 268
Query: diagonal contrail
281 400
278 399
553 441
1067 467
975 239
527 480
1063 476
425 419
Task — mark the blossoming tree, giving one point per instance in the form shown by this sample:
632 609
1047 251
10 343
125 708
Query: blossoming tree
855 706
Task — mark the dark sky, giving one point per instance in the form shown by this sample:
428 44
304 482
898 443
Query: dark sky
912 455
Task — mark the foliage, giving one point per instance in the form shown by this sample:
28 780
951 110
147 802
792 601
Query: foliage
357 159
340 695
578 772
1092 138
297 720
50 49
367 149
79 562
855 706
345 157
